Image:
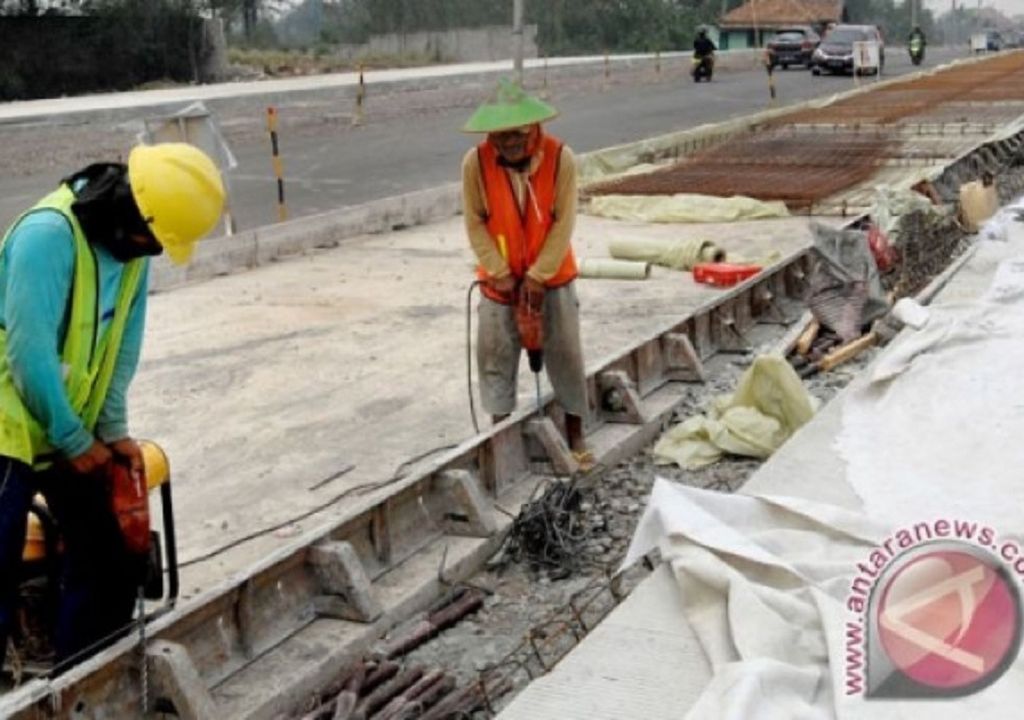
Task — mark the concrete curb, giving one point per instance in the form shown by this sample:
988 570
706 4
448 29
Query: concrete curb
254 248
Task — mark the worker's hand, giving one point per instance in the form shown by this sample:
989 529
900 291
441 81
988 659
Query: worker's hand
97 457
505 285
533 294
128 451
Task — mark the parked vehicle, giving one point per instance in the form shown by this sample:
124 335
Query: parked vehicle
703 67
835 53
994 41
792 46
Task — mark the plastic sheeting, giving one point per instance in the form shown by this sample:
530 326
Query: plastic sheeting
846 290
764 583
676 254
891 204
944 412
768 406
684 208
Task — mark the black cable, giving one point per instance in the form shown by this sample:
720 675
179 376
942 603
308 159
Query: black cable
398 475
469 354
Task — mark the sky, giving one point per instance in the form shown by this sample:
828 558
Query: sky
1010 7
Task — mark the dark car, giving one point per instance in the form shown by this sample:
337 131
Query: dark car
835 53
792 46
994 41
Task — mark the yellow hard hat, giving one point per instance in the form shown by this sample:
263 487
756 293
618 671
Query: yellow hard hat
179 192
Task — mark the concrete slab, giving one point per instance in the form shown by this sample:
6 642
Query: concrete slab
808 467
636 664
262 385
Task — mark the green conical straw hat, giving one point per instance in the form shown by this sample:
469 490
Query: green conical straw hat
510 108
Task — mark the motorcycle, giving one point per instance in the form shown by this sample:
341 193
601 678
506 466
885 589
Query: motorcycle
703 67
916 50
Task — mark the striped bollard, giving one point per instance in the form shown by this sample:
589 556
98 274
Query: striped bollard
282 211
357 117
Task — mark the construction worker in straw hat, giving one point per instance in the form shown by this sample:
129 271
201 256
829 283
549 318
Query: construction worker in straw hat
519 201
73 285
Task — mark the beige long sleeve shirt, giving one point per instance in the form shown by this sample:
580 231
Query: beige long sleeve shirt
474 205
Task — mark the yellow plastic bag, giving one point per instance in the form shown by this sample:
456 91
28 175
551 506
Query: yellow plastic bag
767 407
978 202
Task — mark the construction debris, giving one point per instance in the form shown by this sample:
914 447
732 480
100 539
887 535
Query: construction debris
464 603
841 354
550 533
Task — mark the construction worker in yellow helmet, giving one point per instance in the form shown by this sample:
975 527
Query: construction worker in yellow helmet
73 285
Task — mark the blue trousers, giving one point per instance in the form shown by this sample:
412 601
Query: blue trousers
98 577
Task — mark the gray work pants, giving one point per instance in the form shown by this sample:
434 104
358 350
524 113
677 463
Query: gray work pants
499 350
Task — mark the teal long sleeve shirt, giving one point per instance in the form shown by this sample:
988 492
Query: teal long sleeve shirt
36 273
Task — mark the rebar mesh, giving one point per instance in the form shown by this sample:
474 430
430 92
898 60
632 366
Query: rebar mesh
807 156
798 169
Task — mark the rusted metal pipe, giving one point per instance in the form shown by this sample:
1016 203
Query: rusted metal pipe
467 603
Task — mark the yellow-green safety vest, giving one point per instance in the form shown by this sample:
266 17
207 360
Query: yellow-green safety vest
88 361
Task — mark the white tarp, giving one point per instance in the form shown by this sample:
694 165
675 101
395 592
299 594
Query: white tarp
945 413
764 581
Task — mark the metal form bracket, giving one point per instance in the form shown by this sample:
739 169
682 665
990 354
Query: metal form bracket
730 338
544 430
470 512
176 682
348 591
770 312
620 400
684 364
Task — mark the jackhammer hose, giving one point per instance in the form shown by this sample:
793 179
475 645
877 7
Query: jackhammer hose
469 354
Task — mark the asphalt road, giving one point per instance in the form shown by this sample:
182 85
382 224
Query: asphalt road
334 169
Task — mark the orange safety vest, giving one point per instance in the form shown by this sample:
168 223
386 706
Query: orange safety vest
521 235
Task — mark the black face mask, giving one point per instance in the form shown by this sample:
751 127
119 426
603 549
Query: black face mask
107 212
518 165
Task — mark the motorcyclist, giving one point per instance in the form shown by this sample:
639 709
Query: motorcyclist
703 55
916 44
703 46
917 34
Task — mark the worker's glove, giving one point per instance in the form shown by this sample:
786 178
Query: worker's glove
532 295
97 457
505 285
128 452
